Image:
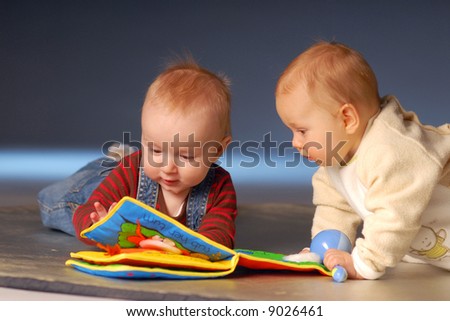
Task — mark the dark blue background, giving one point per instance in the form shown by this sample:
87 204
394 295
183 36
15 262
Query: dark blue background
74 73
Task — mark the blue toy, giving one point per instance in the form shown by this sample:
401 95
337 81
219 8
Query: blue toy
332 239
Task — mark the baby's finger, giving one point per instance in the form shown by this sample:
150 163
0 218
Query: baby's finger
332 258
94 217
112 206
101 211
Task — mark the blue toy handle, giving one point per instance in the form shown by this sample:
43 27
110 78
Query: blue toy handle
339 274
332 239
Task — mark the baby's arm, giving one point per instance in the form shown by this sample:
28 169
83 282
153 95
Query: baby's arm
334 212
218 224
332 209
117 184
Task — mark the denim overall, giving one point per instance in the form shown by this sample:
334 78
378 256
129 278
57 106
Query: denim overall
59 201
196 205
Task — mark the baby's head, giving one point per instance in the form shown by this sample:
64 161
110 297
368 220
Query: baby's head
185 88
328 88
333 75
185 124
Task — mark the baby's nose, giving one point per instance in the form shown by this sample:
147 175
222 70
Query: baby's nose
297 145
170 166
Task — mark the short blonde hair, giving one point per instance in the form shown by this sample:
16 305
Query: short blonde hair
185 86
331 70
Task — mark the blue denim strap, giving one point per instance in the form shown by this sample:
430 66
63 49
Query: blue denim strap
147 191
198 198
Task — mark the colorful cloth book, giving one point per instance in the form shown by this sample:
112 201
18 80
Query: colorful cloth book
139 242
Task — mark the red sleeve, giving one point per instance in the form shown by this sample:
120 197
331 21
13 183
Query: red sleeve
122 181
218 224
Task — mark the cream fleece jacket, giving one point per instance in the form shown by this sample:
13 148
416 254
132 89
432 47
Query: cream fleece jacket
398 168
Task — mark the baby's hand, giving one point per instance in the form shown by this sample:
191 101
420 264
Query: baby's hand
100 212
335 257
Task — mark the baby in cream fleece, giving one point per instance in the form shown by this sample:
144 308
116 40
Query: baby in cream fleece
379 166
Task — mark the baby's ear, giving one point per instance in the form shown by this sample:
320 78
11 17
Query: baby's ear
223 145
225 142
350 117
215 150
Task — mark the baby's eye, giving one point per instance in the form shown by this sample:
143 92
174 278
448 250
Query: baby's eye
301 131
155 151
186 157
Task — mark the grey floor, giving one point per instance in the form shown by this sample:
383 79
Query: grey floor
273 221
22 193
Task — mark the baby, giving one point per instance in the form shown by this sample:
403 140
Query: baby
186 127
378 164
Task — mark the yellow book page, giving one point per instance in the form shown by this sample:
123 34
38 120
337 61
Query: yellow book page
155 258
